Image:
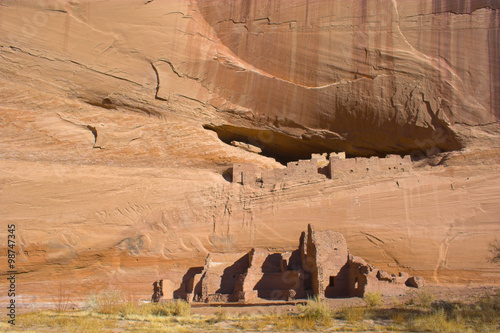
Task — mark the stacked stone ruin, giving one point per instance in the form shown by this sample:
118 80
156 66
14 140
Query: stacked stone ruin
321 266
320 167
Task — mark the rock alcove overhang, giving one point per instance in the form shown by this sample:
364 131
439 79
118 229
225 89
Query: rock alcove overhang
284 147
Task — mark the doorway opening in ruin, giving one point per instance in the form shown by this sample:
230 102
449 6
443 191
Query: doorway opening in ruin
332 281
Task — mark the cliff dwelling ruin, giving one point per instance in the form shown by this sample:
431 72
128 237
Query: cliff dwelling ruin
322 166
321 266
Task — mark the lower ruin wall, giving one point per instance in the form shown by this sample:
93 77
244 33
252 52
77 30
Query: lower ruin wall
321 266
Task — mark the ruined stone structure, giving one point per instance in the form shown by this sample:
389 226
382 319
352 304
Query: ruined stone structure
319 167
359 167
322 266
157 291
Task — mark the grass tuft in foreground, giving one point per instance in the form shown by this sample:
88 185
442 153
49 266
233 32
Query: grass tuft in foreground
373 299
110 311
352 314
174 308
316 309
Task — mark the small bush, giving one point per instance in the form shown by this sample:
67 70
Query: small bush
316 309
134 308
286 323
220 315
107 302
435 322
395 301
61 300
174 308
490 303
495 251
352 314
485 311
180 308
398 318
425 298
373 299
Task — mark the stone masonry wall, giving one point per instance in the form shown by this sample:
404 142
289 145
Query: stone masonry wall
336 166
322 266
360 167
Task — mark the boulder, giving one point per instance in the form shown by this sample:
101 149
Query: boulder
415 282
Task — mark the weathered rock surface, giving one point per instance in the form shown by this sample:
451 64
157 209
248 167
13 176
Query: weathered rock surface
113 174
362 77
415 282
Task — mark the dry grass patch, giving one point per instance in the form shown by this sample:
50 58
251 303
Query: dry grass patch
352 314
316 309
117 313
114 303
107 302
173 308
220 315
398 318
314 316
425 298
68 322
292 322
436 322
373 299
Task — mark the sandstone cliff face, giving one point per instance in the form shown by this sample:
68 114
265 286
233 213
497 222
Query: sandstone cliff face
116 115
358 76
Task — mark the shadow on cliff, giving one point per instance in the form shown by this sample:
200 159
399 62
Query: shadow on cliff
187 285
232 273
